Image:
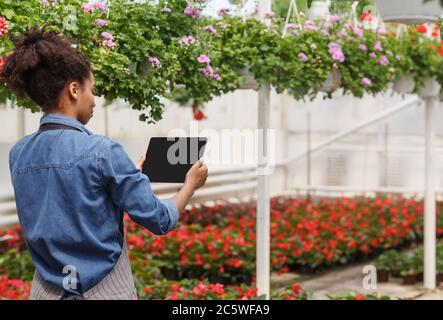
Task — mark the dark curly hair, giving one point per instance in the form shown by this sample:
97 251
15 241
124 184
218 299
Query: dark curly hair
42 64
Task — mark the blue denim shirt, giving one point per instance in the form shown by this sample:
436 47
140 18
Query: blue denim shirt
71 190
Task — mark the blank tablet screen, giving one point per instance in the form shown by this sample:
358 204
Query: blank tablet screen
169 159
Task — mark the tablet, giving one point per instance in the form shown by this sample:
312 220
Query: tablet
168 159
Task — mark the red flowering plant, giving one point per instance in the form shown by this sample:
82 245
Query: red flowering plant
11 289
204 290
352 295
418 55
304 235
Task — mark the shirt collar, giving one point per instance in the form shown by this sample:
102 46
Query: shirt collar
63 119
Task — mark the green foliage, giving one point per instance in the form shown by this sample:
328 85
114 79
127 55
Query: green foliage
144 30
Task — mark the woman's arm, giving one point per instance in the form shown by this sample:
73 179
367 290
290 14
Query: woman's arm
195 178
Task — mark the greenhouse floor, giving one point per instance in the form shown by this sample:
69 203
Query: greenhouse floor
341 280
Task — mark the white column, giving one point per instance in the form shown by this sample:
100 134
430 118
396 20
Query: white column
21 121
429 214
263 276
263 196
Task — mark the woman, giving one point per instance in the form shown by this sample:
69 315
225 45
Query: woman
72 187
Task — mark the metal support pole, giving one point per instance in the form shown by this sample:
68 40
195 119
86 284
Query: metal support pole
263 267
430 210
308 152
263 196
21 122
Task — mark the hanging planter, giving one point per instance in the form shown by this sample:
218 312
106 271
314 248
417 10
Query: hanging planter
332 82
409 11
404 84
319 9
248 79
430 88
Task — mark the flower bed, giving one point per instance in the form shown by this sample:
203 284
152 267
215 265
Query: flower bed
219 242
216 244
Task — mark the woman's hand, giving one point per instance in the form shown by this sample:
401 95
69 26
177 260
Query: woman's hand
140 162
197 175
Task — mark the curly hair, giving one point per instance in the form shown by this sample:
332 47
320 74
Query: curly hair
42 64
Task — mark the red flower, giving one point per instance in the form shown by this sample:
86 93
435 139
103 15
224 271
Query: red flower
2 63
296 288
3 26
422 28
198 114
360 297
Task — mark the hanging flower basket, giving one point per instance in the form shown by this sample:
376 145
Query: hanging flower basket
409 11
248 79
332 82
319 9
430 88
404 84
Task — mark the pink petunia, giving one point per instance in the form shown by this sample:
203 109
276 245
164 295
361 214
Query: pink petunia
101 22
204 59
366 82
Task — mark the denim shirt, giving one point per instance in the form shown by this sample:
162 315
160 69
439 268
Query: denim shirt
71 190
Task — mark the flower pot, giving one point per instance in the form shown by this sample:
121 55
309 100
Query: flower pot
404 84
319 9
248 80
332 82
430 88
143 69
409 279
409 11
382 276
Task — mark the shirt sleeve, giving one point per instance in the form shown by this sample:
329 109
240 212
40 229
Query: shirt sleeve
131 191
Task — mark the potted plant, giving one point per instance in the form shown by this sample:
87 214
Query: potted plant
404 83
384 264
409 11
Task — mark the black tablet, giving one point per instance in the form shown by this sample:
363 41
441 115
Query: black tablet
168 159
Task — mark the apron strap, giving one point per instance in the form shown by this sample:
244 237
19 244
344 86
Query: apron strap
56 126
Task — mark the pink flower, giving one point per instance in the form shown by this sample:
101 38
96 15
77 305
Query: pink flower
270 15
223 11
210 29
107 36
193 12
303 57
373 55
381 31
167 10
357 31
327 25
154 62
101 22
383 60
377 46
210 73
186 40
109 43
334 18
362 47
366 82
87 8
336 52
310 25
100 6
203 59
